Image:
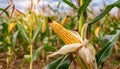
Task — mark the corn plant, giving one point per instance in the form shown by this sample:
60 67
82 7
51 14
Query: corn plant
83 53
34 38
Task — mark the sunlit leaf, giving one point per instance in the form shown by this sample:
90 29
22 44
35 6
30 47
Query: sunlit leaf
37 32
23 31
84 6
14 39
68 2
36 54
107 9
105 52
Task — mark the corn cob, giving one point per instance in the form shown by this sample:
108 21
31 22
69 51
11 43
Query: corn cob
64 20
97 30
64 34
11 27
43 27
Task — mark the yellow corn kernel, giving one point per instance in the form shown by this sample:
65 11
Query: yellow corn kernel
97 31
63 33
11 27
43 27
64 20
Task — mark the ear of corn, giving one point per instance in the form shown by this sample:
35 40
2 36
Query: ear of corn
74 44
64 34
97 31
64 20
11 27
43 27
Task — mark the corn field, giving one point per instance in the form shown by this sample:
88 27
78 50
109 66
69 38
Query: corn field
76 39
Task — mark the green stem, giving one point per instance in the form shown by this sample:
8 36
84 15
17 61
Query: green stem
81 2
81 19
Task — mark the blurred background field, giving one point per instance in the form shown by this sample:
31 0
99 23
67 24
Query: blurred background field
25 30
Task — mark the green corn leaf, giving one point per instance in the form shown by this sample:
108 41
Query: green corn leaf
58 6
3 44
90 11
36 53
107 9
49 48
23 31
105 52
36 18
14 39
117 4
37 32
25 59
54 10
51 8
1 9
5 28
68 2
61 63
84 6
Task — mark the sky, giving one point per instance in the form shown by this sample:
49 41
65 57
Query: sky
24 4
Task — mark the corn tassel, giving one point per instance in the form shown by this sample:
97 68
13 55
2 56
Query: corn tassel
64 34
64 20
